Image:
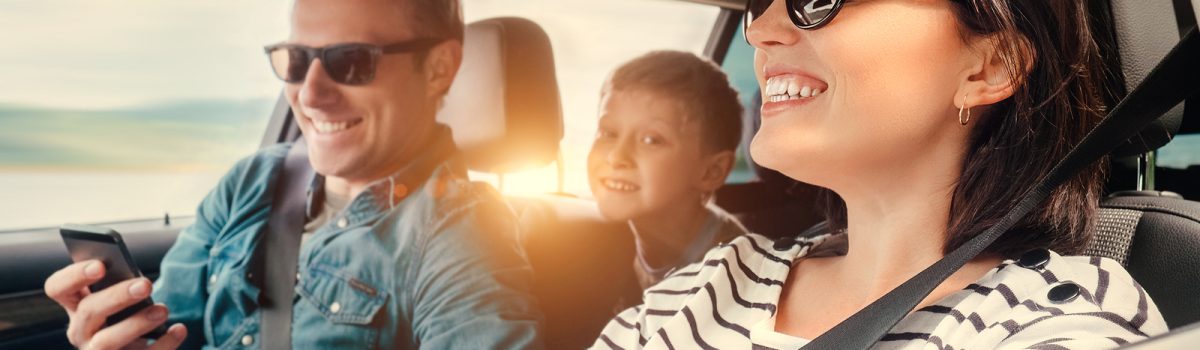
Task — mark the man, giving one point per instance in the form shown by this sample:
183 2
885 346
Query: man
404 253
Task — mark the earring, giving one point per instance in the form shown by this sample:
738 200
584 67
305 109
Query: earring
962 121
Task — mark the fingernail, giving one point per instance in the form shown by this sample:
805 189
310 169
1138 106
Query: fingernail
92 270
176 331
158 314
139 289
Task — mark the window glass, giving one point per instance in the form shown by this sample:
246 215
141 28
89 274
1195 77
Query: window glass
128 111
1181 153
591 38
739 65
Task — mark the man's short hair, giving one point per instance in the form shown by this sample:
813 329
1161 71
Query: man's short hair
694 84
436 18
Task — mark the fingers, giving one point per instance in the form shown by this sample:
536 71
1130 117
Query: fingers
129 330
69 285
174 337
94 309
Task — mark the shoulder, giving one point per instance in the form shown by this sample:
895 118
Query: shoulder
249 181
449 201
749 265
1072 297
258 167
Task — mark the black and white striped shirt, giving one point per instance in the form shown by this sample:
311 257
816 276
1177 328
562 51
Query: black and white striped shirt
729 301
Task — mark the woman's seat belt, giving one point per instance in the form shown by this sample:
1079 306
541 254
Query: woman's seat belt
1175 78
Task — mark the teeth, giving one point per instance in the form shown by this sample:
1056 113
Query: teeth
620 185
787 88
330 127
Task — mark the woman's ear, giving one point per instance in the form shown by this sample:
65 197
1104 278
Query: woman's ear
716 168
989 75
441 65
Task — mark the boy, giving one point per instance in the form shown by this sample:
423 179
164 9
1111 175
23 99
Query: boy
669 126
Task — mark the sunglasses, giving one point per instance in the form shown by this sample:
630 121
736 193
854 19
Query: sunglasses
349 64
805 14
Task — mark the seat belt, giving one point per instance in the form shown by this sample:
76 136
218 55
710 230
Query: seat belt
279 249
1175 78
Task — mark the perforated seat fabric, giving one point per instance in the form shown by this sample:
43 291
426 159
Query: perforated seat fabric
1163 245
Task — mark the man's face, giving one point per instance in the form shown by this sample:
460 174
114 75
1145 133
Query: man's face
360 132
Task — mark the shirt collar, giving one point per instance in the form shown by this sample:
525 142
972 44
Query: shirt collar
385 193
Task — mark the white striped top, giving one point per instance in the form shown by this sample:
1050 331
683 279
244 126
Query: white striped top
729 300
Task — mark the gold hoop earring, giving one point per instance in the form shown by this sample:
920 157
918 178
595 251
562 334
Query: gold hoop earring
962 121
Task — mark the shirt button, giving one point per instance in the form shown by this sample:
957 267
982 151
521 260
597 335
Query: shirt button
335 307
247 340
1063 293
1034 259
342 223
212 279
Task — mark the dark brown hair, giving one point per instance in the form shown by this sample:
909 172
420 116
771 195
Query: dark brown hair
1050 50
696 85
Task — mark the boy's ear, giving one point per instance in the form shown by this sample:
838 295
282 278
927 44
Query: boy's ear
716 168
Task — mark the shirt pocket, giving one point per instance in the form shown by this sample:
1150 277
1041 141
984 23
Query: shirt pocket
340 297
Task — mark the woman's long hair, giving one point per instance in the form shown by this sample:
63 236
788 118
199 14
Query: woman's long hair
1062 86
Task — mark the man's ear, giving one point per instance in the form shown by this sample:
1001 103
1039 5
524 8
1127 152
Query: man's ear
989 77
441 65
716 168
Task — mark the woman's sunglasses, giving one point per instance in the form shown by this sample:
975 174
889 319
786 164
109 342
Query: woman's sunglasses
805 14
349 64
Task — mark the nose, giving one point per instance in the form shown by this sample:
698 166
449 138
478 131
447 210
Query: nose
318 91
619 155
773 28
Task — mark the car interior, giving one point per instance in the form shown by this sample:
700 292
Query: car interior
506 114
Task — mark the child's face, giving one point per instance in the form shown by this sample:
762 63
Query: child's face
647 157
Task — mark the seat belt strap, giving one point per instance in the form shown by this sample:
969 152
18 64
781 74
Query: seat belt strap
1175 78
280 247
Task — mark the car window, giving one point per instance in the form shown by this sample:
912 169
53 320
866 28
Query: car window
1181 153
591 38
125 111
739 65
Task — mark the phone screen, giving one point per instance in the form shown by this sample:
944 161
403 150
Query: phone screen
103 244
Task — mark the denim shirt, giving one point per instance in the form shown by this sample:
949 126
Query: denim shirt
410 263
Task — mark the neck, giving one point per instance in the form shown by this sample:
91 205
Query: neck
350 187
664 236
896 223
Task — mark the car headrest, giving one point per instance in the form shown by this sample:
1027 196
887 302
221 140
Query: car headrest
504 107
1144 32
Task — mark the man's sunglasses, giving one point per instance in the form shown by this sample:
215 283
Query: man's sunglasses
805 14
350 64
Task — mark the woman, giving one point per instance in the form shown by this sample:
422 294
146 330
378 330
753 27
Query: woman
925 120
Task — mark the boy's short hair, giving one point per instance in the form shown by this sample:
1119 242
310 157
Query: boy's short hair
695 84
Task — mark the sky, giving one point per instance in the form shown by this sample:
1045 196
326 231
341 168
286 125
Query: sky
101 54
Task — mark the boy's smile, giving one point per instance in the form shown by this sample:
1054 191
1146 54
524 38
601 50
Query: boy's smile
646 158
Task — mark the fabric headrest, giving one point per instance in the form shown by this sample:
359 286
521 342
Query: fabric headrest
1145 31
504 106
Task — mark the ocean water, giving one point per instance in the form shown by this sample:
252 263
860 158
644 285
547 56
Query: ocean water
47 199
84 166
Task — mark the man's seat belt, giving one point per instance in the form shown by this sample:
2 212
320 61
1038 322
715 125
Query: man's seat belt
279 247
1175 78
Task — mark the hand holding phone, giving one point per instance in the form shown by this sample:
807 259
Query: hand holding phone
105 294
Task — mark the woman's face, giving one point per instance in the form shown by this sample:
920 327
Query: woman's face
887 72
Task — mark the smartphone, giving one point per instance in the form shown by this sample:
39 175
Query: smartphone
85 242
